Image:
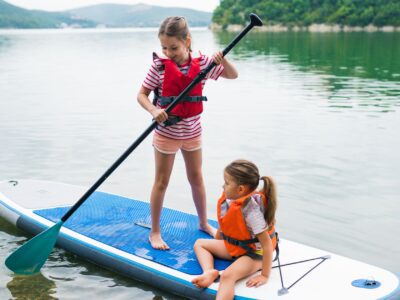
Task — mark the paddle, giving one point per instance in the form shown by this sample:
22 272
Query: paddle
30 257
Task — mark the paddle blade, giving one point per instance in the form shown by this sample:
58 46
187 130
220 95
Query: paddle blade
31 256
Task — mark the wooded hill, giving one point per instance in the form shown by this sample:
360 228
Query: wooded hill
104 15
307 12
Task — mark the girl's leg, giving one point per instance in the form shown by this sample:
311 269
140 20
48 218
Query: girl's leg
163 164
193 163
239 269
205 250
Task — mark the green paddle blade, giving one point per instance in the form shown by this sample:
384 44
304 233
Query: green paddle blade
31 256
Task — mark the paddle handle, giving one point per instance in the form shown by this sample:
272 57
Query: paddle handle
254 21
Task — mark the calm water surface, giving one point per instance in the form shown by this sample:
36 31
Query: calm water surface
319 112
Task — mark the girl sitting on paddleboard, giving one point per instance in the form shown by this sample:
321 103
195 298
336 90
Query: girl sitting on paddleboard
246 231
181 129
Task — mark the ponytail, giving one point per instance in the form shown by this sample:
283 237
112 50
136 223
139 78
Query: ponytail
246 173
269 190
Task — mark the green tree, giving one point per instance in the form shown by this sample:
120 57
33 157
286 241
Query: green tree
306 12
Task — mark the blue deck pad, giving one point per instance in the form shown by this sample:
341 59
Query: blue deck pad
111 219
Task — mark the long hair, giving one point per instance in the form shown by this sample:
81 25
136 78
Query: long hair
244 172
175 27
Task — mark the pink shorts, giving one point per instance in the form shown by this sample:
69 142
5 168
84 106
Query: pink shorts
171 146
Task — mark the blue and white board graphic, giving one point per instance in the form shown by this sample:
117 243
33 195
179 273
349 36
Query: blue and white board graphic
111 231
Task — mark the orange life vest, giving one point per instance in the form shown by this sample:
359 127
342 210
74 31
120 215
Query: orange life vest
174 83
237 238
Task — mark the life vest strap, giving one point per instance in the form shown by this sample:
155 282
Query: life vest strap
239 243
244 244
276 247
164 101
253 255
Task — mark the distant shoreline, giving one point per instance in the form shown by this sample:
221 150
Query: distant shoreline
86 30
310 28
216 27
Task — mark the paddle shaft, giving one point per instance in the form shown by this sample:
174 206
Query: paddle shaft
254 21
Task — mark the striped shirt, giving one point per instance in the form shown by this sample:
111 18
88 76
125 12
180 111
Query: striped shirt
190 127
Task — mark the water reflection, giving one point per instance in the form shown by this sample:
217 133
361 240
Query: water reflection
355 54
10 229
71 273
362 94
357 71
32 287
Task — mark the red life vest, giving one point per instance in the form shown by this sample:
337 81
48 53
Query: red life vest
174 83
237 237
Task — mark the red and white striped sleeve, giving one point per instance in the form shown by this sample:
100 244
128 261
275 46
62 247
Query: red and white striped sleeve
152 80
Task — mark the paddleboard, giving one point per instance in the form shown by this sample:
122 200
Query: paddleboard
112 231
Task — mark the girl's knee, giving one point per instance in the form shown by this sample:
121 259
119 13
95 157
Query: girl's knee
199 243
227 275
205 244
195 178
161 183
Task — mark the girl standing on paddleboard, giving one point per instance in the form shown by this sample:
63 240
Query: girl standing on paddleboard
181 129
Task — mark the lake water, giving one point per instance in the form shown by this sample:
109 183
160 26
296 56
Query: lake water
320 112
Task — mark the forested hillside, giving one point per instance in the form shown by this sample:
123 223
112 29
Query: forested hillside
105 15
307 12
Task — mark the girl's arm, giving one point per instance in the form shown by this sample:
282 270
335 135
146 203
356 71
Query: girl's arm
266 244
158 114
229 71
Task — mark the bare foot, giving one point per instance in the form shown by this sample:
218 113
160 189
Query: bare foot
207 228
205 279
157 242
